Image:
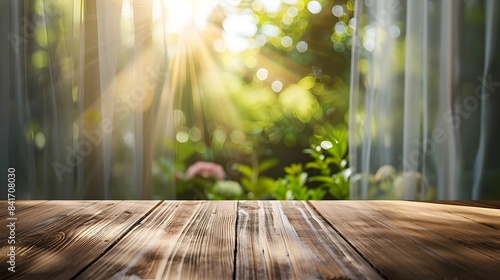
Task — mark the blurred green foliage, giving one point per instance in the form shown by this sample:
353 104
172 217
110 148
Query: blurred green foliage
293 185
254 125
286 91
326 172
255 184
329 153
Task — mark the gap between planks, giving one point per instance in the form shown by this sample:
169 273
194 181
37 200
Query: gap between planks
346 239
310 248
57 239
135 224
295 224
179 240
235 256
291 240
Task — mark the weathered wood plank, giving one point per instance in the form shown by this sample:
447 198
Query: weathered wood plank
469 210
458 230
405 242
476 211
288 240
479 215
179 240
492 203
474 203
21 205
37 217
59 238
474 227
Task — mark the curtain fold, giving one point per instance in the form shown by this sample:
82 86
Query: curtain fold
80 82
15 94
108 19
4 87
424 87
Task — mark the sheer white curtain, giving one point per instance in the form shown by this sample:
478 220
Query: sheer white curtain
425 99
82 96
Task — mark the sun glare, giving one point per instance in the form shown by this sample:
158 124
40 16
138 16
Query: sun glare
180 14
183 13
207 39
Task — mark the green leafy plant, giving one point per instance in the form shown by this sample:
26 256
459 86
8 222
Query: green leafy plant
257 186
329 153
293 185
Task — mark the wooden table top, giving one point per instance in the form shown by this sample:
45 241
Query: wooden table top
253 240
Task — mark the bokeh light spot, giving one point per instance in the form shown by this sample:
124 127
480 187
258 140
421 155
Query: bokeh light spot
286 41
337 10
314 7
340 28
326 145
277 86
302 46
394 31
195 134
272 6
39 140
270 30
292 11
262 74
220 134
182 136
287 19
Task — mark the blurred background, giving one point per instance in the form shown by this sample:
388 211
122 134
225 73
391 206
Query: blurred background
119 99
238 99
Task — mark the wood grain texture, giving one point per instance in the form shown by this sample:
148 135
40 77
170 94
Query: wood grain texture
412 240
20 205
179 240
56 240
477 228
475 203
288 240
36 218
265 239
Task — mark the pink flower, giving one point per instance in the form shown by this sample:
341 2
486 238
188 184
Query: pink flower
206 169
